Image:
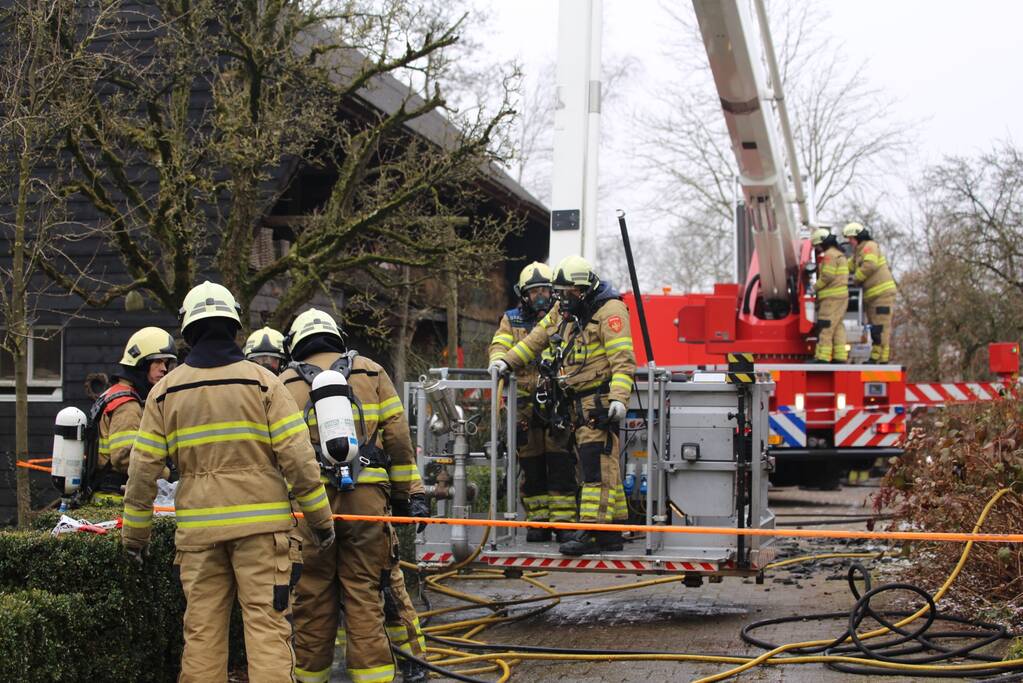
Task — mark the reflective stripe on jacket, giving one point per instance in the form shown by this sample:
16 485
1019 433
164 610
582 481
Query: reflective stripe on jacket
384 415
600 351
832 275
231 431
870 270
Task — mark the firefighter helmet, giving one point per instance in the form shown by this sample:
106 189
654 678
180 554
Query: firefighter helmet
536 274
575 271
819 235
308 323
149 343
852 229
209 300
264 342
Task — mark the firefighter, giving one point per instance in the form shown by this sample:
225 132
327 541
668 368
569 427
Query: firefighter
361 566
266 347
870 271
548 467
232 429
832 288
588 333
149 355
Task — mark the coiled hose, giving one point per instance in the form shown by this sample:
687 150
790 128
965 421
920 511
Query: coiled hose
891 649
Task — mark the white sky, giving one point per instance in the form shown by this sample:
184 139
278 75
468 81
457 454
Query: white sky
952 67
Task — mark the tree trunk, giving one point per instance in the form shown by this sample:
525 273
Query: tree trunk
452 318
399 356
19 334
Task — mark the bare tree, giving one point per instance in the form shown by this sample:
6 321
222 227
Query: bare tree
45 62
845 132
963 283
182 181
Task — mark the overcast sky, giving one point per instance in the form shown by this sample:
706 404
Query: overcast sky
951 66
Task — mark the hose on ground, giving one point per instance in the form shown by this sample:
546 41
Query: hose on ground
902 651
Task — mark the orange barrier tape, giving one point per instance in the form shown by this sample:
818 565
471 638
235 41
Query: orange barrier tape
948 537
33 465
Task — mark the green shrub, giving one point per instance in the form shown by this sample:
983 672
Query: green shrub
40 627
77 608
955 461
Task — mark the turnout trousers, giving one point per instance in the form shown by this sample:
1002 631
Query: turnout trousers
548 469
879 312
352 574
596 443
831 339
262 570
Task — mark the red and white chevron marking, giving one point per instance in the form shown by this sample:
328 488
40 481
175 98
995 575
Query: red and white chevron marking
579 563
859 428
622 565
940 393
437 557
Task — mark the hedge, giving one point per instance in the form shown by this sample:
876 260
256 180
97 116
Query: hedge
77 608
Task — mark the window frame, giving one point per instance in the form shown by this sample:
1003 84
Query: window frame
57 385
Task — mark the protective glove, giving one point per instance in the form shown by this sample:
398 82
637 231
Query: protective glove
500 366
400 507
137 553
419 507
324 536
616 411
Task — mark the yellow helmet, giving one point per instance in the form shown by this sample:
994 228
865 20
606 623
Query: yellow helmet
575 271
852 229
264 342
536 274
149 343
313 321
208 300
819 235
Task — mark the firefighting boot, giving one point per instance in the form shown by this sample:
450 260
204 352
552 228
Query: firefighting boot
589 542
563 535
534 535
412 672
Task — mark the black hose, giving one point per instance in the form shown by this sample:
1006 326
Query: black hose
433 667
504 647
825 522
921 640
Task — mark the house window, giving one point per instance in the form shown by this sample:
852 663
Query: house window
45 366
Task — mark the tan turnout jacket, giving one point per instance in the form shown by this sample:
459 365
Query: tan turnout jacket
386 424
600 352
231 431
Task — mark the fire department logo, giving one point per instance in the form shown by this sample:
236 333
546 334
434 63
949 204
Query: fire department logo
615 323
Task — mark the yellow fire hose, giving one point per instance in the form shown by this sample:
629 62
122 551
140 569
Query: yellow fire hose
500 662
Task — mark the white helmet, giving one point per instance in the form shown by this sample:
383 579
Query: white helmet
264 342
308 323
819 235
149 343
209 300
852 229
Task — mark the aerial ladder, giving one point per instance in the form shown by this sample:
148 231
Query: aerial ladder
758 124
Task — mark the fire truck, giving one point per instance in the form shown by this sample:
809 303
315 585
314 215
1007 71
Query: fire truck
824 418
725 397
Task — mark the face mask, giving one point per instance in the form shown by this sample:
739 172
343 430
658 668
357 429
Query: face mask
570 303
540 304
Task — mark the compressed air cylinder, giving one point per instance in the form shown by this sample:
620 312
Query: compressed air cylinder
331 397
68 450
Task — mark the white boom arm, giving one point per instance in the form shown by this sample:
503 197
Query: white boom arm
734 50
576 131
